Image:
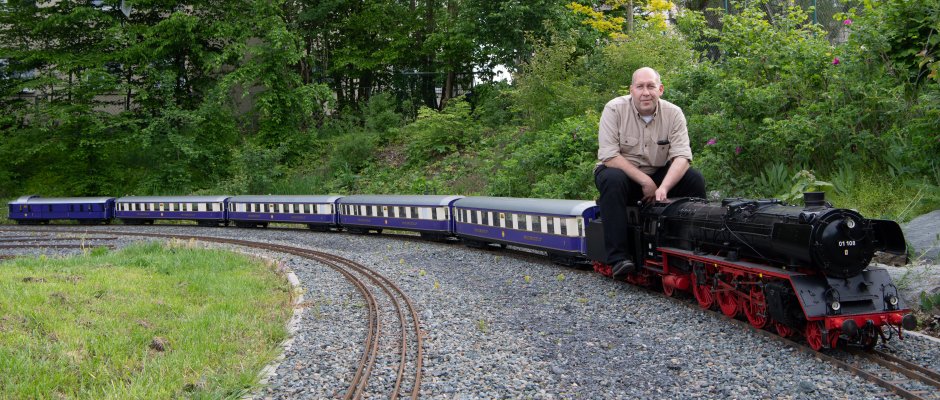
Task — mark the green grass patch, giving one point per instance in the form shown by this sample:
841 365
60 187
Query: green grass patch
148 322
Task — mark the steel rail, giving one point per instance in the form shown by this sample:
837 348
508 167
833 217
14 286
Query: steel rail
910 395
13 239
54 246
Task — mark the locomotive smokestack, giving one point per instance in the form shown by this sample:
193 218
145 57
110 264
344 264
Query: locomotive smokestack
814 199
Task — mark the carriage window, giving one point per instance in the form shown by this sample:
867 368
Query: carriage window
201 206
384 211
407 212
515 221
580 227
151 206
189 206
535 224
550 225
395 211
271 208
216 207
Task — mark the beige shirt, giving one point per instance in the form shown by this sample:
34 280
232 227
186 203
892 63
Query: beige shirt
622 131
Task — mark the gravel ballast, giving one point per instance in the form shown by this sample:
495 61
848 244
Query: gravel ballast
510 325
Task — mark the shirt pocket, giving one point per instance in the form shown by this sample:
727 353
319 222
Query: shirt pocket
630 145
660 154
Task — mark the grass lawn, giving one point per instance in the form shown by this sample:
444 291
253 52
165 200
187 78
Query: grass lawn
152 321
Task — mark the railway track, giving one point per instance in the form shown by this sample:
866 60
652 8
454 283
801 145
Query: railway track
406 337
900 377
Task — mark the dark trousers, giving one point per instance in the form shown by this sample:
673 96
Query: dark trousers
618 192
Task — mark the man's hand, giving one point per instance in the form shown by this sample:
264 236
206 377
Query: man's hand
661 193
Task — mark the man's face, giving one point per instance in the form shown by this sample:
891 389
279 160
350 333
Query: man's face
645 91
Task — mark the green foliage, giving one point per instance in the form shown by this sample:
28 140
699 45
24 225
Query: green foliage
551 163
803 182
774 179
929 302
435 134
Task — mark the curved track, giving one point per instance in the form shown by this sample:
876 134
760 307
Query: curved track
407 336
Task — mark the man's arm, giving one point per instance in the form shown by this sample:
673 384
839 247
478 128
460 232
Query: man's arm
675 173
644 180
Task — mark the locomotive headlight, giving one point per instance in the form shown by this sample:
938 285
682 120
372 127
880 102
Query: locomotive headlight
850 223
893 300
835 306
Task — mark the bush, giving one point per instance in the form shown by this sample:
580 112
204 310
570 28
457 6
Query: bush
435 134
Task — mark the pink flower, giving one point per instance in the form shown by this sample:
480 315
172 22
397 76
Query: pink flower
737 150
711 141
835 61
847 22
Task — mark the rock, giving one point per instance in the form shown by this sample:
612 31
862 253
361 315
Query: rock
923 233
807 386
895 260
558 370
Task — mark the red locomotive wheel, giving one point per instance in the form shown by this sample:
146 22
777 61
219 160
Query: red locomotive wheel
783 330
813 335
755 309
728 302
703 294
668 290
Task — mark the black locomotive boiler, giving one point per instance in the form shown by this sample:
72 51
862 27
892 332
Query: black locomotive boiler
795 269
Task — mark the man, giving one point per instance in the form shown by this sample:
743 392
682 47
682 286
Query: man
644 154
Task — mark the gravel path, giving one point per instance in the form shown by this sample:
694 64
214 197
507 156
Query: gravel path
505 325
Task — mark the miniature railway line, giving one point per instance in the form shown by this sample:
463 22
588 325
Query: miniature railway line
905 372
53 246
409 341
900 377
7 239
901 374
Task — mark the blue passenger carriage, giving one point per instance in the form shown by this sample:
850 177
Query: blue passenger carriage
317 212
205 210
86 210
555 226
428 214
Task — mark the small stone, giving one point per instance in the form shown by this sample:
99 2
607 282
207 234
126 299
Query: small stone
807 386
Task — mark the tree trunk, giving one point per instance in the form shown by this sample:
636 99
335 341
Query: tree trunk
629 10
427 76
447 92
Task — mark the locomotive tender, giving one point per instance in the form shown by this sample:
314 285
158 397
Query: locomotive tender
787 268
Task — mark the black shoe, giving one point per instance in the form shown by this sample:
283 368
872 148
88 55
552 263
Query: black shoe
623 268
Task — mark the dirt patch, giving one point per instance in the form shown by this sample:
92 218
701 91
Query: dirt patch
159 344
33 279
393 156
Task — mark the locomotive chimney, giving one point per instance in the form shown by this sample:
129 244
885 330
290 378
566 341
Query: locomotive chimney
814 199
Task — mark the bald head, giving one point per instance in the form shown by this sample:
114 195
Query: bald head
645 90
646 72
